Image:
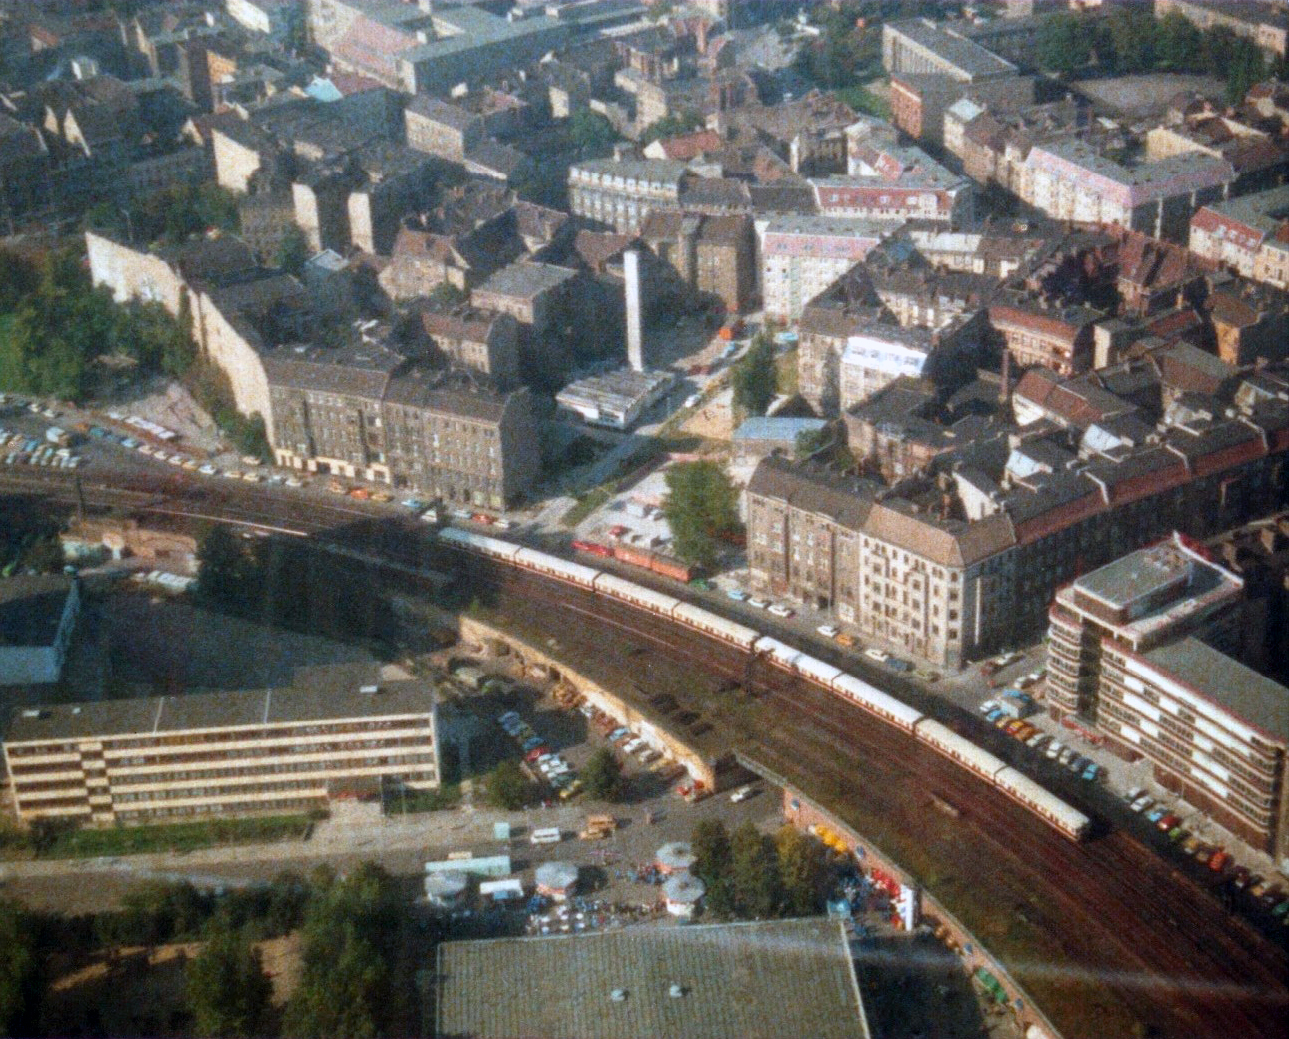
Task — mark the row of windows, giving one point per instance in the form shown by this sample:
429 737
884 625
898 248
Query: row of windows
282 768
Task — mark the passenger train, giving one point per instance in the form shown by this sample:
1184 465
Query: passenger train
1018 787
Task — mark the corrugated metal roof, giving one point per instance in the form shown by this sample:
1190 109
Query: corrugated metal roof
737 981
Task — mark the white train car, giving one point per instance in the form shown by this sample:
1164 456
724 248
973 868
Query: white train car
473 542
618 588
876 702
1050 808
817 671
779 653
704 620
543 562
961 750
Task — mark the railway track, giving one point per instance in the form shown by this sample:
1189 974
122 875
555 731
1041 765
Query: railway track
1133 942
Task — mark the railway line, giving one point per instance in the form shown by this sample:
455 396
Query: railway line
1131 941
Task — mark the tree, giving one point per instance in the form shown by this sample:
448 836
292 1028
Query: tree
803 867
1248 67
811 440
670 126
1179 44
754 870
228 991
591 133
1132 36
701 507
1063 43
507 787
293 251
602 776
20 972
712 863
445 294
226 575
755 377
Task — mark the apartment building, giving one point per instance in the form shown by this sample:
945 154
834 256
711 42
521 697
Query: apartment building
621 193
715 256
471 337
1035 332
802 255
878 353
442 129
366 412
1139 650
1249 234
335 731
947 569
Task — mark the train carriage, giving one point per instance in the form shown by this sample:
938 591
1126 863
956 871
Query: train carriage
473 542
1055 812
778 653
961 750
817 671
638 595
876 702
544 562
704 620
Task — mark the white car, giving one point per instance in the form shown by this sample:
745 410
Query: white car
758 604
828 631
779 610
294 481
988 705
208 470
693 400
880 655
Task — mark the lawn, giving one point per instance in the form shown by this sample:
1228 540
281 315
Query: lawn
173 837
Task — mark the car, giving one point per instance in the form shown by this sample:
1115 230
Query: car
294 481
1155 814
1036 741
618 733
1134 793
1078 763
879 655
1142 803
1239 877
415 504
1066 756
1052 750
779 610
190 464
846 640
1191 845
381 496
130 443
1024 732
534 755
897 664
742 793
758 604
1091 772
988 706
1178 834
176 459
1011 726
251 476
360 493
1006 659
995 715
828 631
1168 821
737 594
693 400
1219 860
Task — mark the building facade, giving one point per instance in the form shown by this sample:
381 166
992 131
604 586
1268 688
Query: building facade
1137 650
802 255
620 194
231 753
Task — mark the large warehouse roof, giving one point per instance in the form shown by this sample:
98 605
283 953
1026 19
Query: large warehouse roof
717 981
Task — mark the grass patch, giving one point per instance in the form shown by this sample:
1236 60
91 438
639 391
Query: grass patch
172 837
864 101
587 503
787 377
417 801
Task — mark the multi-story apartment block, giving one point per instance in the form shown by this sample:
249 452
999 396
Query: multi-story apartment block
367 412
715 256
333 732
878 353
1036 333
1249 234
802 255
442 129
483 340
908 189
1266 24
1137 650
537 295
948 570
1069 180
620 194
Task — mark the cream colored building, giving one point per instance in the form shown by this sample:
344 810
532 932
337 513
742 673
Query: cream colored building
335 732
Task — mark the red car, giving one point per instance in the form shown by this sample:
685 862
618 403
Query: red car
1167 822
1219 860
534 754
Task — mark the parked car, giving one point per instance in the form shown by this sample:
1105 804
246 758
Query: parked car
779 610
1036 741
1091 772
988 706
828 631
995 715
757 603
1168 822
902 666
1142 803
737 594
1154 815
881 656
1134 793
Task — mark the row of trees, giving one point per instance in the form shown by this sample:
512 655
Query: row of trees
750 876
170 215
1133 40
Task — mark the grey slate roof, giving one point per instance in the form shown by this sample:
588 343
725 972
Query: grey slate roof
316 693
738 981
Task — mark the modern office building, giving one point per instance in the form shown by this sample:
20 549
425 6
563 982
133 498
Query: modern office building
334 731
